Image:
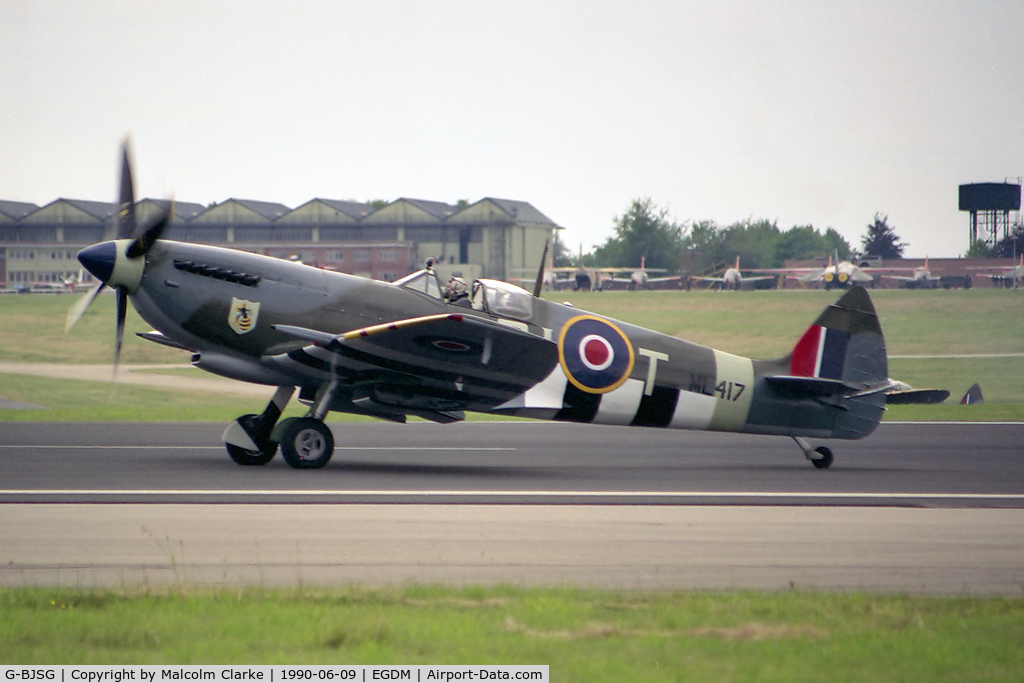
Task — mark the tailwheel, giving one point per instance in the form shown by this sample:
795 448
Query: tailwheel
825 461
306 443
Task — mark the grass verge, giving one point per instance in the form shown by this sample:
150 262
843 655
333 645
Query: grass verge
584 635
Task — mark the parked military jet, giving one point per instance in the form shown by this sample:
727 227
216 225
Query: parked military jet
1013 273
391 350
640 278
843 274
591 279
919 278
732 278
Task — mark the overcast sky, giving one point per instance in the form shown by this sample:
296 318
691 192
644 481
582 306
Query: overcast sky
819 113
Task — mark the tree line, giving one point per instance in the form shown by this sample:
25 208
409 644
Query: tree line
647 231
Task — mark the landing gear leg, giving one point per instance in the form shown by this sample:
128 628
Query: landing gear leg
306 442
820 457
247 439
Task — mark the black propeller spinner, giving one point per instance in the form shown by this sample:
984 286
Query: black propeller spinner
120 263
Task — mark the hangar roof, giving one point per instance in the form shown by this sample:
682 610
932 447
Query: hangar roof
16 210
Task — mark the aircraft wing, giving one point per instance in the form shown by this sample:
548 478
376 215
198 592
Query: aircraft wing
437 363
664 279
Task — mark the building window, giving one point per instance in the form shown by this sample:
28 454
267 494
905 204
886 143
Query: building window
361 255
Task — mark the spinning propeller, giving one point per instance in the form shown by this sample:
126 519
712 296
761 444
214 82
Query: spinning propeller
120 263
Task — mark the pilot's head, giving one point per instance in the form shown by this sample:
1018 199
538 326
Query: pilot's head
456 288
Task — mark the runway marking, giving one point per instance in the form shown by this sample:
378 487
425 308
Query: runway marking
320 493
962 423
961 355
220 447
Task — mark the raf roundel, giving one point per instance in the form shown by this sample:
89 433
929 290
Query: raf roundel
595 355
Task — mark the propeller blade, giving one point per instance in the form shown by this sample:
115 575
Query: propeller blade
149 235
81 306
538 286
122 312
125 219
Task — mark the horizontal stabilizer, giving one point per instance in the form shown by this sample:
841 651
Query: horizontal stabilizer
917 396
809 387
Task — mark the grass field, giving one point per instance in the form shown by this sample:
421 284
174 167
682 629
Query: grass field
761 324
583 635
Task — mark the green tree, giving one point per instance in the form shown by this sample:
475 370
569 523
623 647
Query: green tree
561 257
759 244
881 239
979 250
1011 246
753 241
647 232
834 242
705 244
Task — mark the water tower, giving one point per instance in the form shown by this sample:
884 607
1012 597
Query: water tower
990 205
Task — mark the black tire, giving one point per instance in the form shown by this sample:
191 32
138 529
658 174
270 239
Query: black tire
307 444
825 461
249 458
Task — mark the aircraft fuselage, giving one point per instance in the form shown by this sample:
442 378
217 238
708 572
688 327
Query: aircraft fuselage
226 305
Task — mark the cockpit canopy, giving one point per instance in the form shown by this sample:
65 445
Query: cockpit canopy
422 281
500 299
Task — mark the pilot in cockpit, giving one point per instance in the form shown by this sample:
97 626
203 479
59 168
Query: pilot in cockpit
457 292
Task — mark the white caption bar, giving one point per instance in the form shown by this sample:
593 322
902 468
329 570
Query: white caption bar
272 674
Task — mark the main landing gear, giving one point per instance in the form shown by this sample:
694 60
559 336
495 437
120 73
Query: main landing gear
306 442
820 457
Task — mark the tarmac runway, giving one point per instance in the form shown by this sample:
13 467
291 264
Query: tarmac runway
932 508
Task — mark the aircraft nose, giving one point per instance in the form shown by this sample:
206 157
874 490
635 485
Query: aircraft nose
99 260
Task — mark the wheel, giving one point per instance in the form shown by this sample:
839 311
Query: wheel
825 461
244 456
307 443
250 458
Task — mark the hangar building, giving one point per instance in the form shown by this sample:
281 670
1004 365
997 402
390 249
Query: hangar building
494 238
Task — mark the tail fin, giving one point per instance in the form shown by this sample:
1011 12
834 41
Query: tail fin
845 343
973 396
840 365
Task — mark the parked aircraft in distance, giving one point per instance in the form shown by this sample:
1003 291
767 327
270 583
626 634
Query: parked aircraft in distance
640 278
732 278
591 279
920 278
843 274
550 278
391 350
1014 273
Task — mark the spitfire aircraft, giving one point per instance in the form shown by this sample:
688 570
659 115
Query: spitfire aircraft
391 350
